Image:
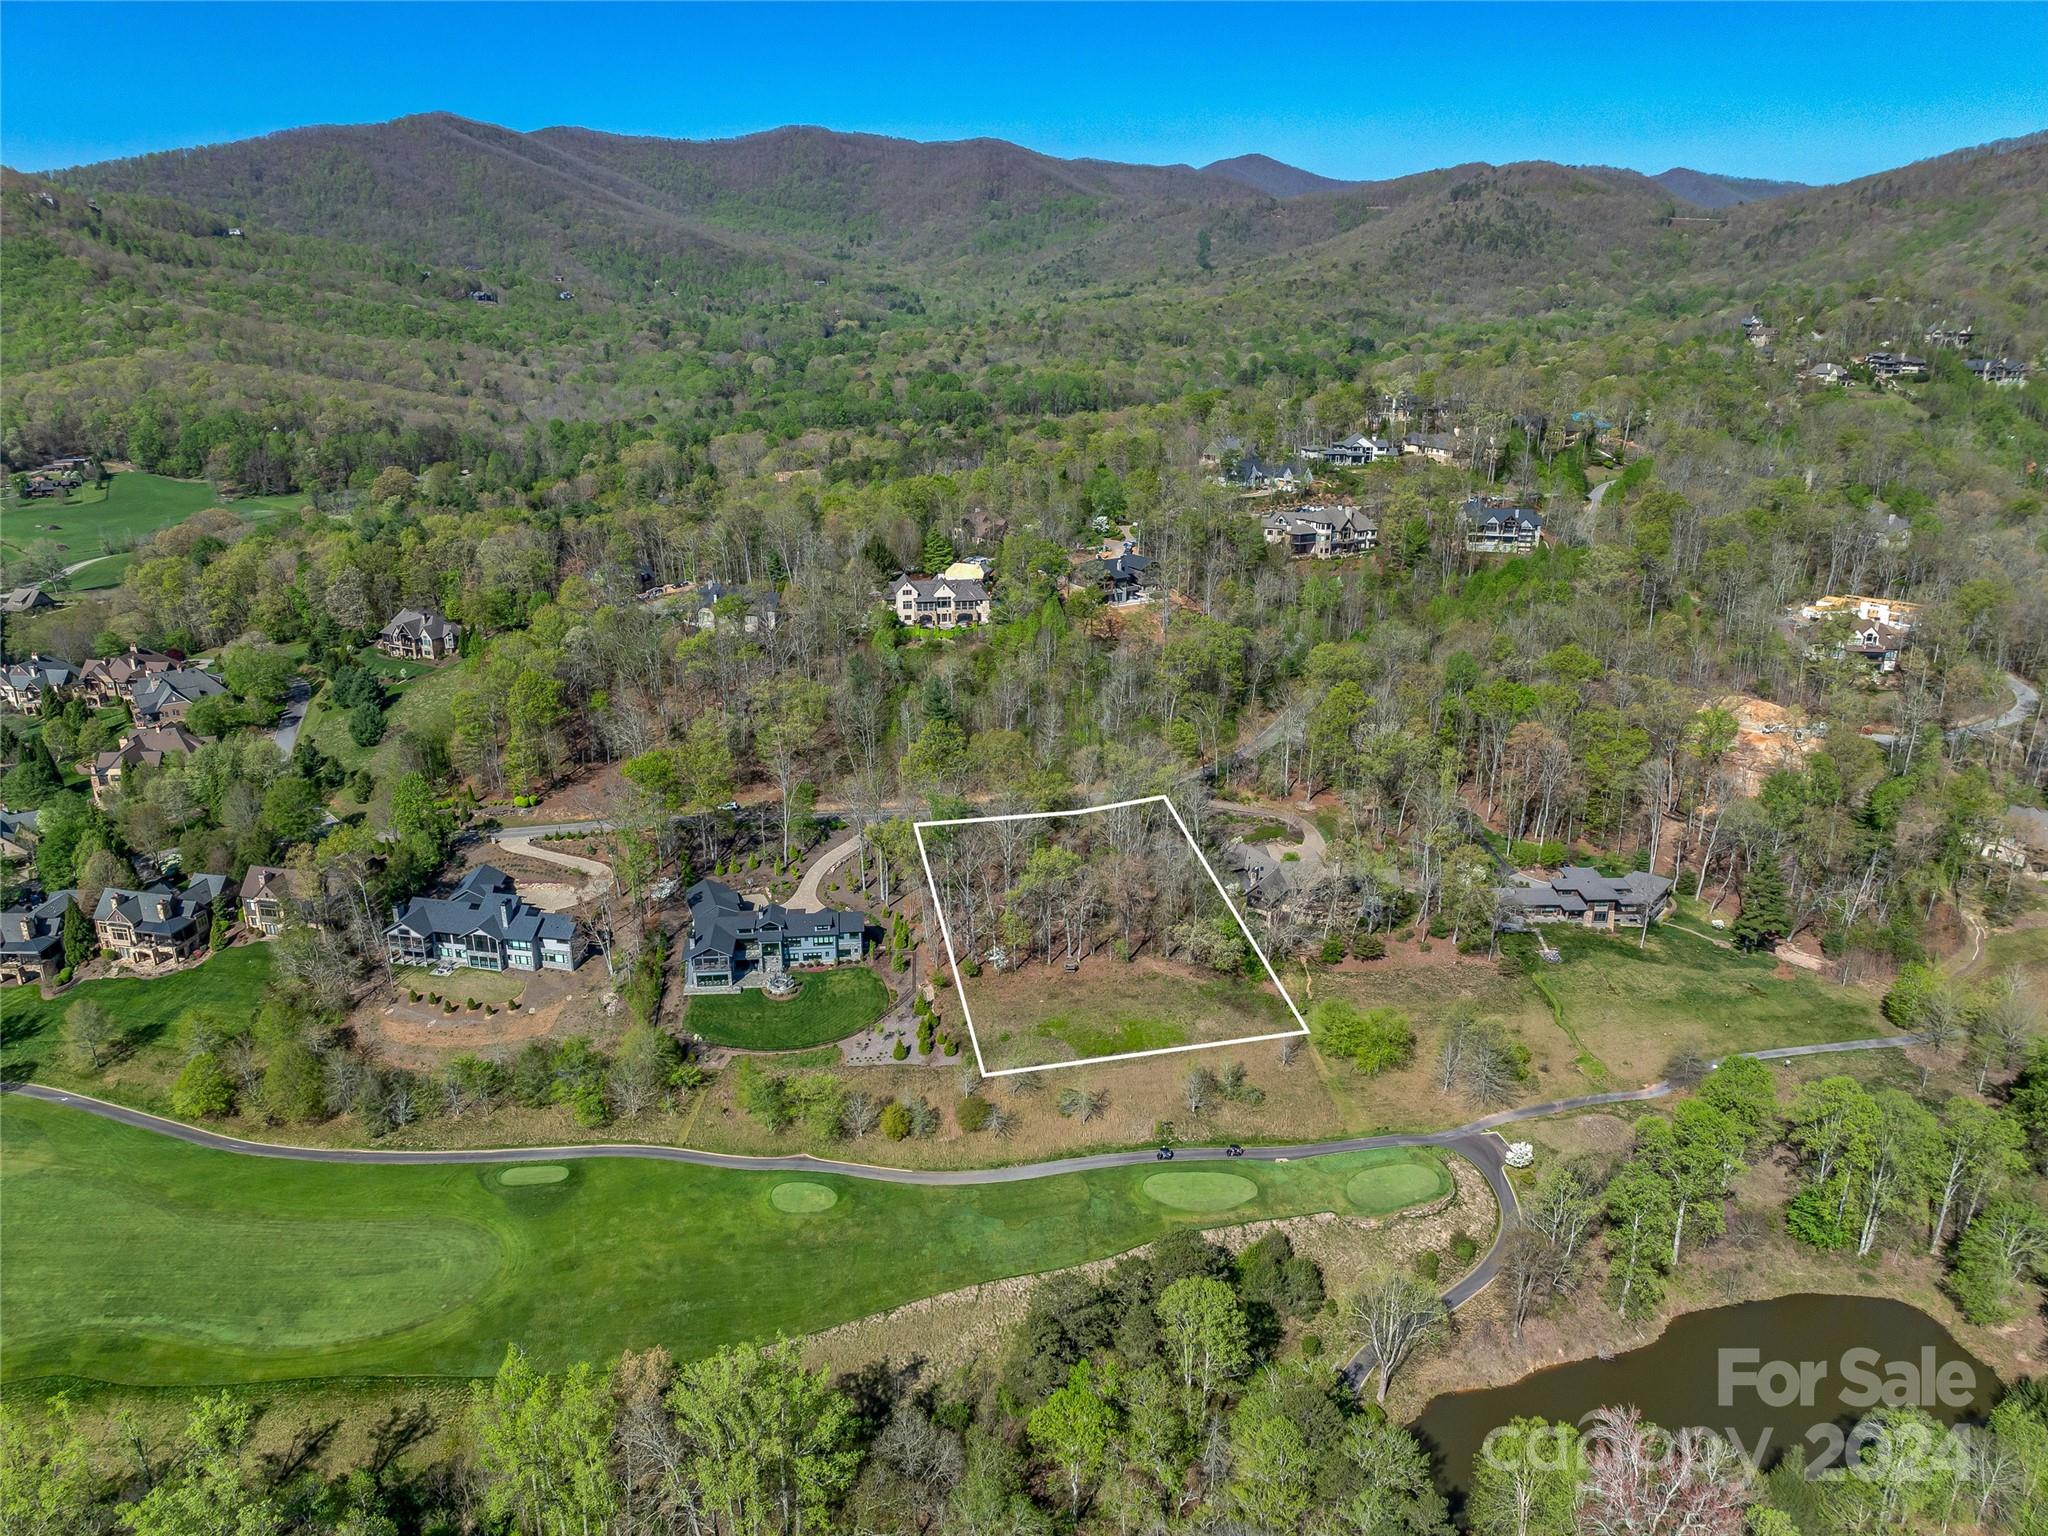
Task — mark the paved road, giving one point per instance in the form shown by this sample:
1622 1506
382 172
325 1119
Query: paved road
597 877
287 733
2025 697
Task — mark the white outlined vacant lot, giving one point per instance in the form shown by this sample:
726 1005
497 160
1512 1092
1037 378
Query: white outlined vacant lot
1143 951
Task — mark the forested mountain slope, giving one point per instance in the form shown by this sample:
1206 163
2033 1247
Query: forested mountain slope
674 281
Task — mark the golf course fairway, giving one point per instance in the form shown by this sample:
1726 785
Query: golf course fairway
136 1258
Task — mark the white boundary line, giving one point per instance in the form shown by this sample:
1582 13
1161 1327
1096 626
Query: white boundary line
960 984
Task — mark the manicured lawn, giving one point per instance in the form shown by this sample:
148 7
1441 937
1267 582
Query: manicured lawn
831 1006
32 1029
136 1258
1042 1014
132 508
462 984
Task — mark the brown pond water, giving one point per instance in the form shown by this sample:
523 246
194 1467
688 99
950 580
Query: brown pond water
1855 1353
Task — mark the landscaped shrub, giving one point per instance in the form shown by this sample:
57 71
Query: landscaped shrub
1333 949
1439 926
902 1052
472 1004
896 1120
1464 1247
1369 946
1427 1264
1311 1344
972 1112
412 994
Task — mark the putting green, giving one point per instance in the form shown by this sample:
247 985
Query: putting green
800 1197
1393 1186
534 1173
1194 1189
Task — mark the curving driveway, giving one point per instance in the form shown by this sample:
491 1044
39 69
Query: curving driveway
1476 1141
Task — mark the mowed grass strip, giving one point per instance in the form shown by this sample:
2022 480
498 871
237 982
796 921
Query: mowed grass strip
831 1006
135 1258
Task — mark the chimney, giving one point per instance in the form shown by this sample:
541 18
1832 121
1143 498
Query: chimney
163 908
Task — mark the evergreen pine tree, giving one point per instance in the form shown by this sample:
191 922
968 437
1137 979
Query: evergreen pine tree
938 552
1763 921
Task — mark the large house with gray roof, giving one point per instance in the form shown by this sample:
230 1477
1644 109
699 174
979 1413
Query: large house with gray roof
32 940
1494 529
481 924
165 698
1576 894
941 603
730 937
154 929
415 634
27 685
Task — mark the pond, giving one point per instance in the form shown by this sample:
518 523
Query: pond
1798 1370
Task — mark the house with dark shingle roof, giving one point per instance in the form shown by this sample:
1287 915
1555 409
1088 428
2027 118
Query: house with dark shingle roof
417 635
272 898
165 698
481 924
144 748
730 937
937 603
153 929
1123 578
1322 533
32 940
1491 529
106 679
1353 450
18 836
27 685
1576 894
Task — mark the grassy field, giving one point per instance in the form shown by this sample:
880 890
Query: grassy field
831 1006
1043 1014
32 1028
131 508
415 695
135 1258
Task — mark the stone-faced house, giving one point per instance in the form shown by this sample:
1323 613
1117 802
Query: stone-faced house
273 898
111 679
143 748
1321 533
32 940
18 836
481 924
153 929
730 936
417 635
165 698
27 685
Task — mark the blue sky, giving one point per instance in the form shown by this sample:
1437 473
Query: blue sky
1814 93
